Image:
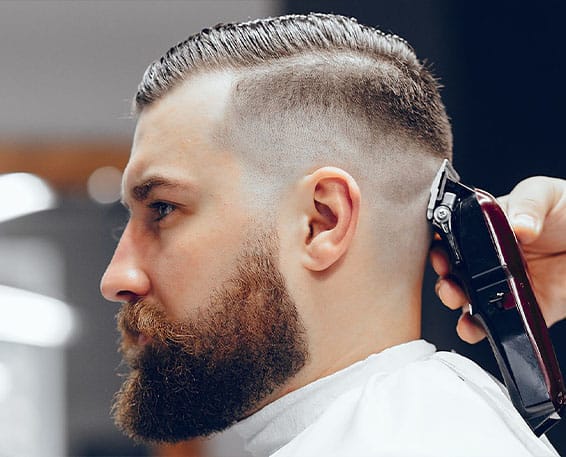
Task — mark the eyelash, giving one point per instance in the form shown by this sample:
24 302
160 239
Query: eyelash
161 210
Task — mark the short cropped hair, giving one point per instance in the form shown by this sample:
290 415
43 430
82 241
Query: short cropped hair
385 85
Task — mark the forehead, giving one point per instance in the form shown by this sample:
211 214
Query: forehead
175 135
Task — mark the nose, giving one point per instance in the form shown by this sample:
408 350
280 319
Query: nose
125 278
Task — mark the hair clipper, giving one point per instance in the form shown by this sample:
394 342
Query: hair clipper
486 259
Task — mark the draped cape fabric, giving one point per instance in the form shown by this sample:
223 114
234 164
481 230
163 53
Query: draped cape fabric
408 400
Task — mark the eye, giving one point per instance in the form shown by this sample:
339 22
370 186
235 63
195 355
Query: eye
161 210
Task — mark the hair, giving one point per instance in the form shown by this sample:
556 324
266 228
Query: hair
388 83
321 89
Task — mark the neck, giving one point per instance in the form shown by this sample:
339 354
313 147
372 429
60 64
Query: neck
358 324
355 334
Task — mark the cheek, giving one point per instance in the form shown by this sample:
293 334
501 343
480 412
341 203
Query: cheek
193 260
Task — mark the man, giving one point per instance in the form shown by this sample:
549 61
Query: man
271 269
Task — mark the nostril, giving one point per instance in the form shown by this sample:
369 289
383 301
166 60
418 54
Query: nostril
126 296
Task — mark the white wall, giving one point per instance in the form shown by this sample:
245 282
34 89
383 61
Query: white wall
71 68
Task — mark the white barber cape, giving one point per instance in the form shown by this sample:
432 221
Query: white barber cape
408 400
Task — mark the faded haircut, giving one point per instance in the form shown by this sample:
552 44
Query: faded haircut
321 89
387 87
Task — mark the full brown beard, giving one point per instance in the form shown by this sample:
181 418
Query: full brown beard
199 376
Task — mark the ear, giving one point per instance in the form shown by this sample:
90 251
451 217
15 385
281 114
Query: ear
332 207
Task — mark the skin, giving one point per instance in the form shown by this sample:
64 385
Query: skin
343 296
536 209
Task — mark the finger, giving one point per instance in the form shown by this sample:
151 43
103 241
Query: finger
439 261
451 294
529 203
469 329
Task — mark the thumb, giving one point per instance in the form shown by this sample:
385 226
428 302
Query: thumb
527 206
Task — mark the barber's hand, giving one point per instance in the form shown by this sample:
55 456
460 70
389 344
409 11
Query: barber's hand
536 209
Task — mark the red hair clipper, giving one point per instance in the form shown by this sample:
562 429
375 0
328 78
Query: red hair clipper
487 261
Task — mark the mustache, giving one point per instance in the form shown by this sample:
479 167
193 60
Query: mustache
150 319
141 317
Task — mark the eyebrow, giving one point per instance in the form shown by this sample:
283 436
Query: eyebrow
141 191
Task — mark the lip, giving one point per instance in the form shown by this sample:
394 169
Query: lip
133 341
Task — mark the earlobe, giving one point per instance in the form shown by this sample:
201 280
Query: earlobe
333 213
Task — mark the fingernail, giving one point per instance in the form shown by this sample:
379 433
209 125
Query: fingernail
526 221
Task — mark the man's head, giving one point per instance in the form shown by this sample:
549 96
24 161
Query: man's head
277 189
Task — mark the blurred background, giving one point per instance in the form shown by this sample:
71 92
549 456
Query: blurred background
68 71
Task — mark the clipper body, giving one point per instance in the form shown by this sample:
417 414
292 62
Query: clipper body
488 262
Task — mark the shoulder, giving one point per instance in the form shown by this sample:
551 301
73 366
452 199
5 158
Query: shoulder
440 405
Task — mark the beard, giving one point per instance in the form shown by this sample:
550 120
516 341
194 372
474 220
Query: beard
198 376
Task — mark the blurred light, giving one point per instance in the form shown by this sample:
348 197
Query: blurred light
104 185
23 193
29 318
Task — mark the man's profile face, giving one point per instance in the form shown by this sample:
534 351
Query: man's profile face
207 324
